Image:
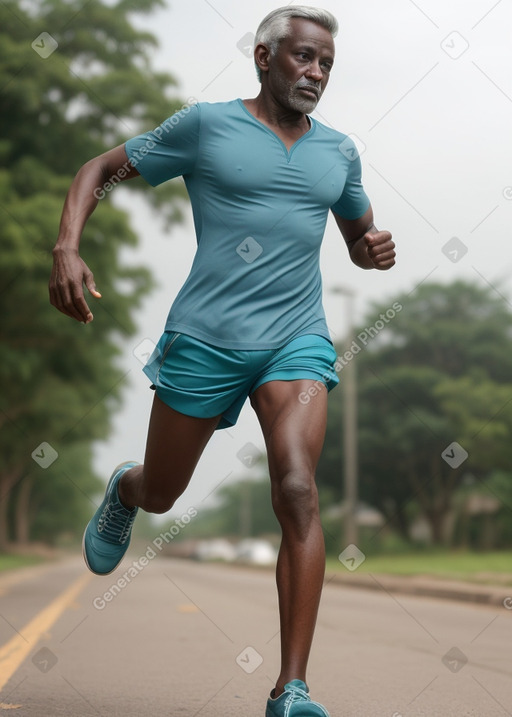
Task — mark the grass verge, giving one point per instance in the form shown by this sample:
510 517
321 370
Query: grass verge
10 562
488 568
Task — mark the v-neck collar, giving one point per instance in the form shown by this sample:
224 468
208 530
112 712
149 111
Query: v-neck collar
288 153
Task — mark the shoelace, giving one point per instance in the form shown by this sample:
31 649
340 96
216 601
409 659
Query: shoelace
299 694
115 523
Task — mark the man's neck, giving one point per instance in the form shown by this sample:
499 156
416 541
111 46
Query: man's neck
269 112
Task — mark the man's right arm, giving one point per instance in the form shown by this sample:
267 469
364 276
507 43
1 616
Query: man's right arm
70 273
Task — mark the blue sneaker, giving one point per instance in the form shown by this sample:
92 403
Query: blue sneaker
107 536
294 702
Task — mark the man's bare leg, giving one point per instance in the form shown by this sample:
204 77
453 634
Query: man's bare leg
294 435
174 445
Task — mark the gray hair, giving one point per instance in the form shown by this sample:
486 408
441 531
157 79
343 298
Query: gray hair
275 27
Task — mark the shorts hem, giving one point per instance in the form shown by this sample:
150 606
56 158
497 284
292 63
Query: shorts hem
224 421
295 375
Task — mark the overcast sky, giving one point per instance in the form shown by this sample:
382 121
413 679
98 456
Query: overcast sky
426 89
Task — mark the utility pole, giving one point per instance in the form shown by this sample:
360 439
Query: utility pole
349 427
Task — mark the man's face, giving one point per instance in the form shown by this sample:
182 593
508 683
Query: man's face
299 71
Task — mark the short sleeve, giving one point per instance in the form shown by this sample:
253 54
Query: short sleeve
353 201
168 151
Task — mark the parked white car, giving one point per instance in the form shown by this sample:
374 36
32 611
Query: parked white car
215 549
256 552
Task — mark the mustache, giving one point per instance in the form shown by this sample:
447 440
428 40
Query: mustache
305 85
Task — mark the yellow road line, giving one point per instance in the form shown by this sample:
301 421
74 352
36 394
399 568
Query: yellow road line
16 650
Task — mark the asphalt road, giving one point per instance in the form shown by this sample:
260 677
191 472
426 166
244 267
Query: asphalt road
189 639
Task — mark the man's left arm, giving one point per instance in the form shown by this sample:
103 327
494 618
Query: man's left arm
368 247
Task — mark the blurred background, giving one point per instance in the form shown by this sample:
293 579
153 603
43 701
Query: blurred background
417 459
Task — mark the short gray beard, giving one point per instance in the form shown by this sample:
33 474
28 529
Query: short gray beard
300 104
295 100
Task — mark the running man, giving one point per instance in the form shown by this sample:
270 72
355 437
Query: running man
262 176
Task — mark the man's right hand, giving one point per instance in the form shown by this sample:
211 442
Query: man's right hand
69 274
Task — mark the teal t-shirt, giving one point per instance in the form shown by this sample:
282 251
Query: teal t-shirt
259 214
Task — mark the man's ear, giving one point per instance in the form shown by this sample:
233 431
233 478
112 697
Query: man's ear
262 56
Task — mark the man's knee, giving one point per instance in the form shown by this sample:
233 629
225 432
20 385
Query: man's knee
295 496
156 504
156 501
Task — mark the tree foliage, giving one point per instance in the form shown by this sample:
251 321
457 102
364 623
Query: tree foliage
60 382
438 373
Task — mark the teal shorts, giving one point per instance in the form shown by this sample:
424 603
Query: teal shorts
202 380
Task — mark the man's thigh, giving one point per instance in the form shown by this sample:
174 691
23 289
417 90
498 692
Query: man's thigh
293 418
174 445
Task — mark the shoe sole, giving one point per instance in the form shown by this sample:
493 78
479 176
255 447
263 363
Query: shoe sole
85 531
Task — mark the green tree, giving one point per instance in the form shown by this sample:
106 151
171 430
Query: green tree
433 373
60 382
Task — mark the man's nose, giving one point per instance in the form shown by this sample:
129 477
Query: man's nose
314 71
